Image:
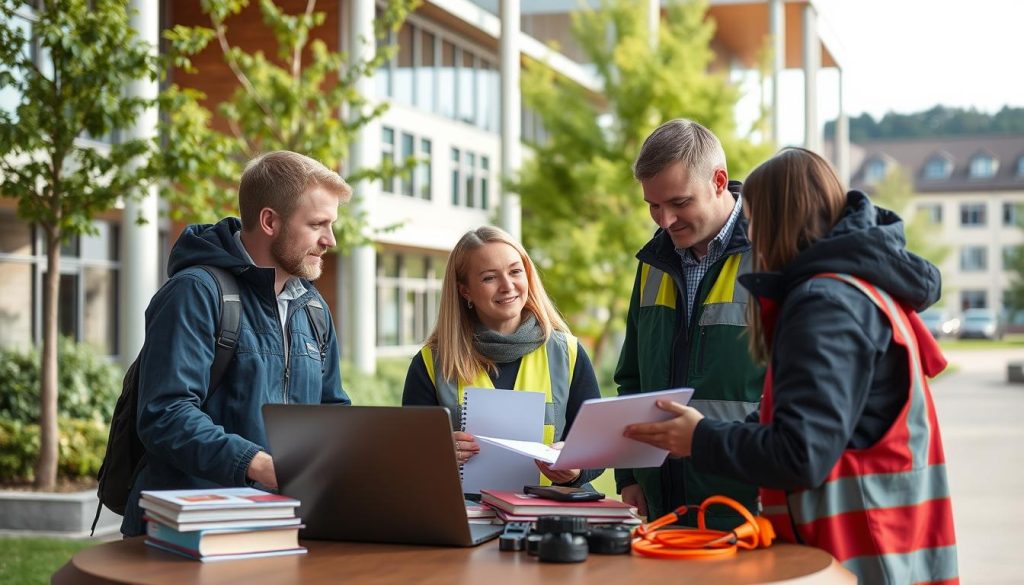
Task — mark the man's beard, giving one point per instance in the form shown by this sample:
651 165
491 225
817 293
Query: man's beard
294 262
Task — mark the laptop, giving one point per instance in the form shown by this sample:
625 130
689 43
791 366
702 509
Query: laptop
372 473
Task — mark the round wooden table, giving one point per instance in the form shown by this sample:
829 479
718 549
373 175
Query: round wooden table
131 561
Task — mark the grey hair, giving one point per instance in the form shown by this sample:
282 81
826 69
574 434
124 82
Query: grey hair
679 140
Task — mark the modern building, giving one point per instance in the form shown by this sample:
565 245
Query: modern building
454 103
970 190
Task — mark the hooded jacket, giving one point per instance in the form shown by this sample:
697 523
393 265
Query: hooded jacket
838 380
194 443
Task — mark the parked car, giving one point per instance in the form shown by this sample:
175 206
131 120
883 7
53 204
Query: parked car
940 323
981 324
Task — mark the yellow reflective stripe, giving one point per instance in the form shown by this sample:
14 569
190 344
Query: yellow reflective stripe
666 292
482 380
571 345
428 361
645 269
725 285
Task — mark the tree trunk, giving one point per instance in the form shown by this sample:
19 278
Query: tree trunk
46 467
606 329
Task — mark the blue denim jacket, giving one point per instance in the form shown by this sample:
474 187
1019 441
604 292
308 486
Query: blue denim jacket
192 443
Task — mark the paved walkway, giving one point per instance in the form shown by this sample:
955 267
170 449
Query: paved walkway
982 420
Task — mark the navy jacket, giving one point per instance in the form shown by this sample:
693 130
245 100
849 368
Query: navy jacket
838 380
194 444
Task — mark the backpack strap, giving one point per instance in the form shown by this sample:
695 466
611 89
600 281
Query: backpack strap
318 317
230 323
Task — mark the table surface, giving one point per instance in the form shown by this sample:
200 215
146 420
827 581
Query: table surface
131 561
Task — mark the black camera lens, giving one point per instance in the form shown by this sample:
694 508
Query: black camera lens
563 539
557 524
609 540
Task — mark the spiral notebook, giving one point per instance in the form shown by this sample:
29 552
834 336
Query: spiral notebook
508 414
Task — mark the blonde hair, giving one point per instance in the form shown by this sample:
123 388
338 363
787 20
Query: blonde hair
793 199
452 338
680 140
278 179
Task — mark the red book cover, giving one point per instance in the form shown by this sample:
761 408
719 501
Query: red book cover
529 505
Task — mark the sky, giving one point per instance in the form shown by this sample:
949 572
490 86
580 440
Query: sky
909 55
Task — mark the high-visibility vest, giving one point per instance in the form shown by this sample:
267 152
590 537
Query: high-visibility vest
547 369
884 511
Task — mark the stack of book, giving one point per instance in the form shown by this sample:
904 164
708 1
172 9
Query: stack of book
221 524
515 507
480 513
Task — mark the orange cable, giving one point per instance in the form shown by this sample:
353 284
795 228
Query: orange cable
688 543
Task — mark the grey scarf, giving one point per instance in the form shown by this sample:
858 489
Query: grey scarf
508 348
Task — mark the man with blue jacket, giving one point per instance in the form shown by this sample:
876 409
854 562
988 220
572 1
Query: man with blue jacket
288 204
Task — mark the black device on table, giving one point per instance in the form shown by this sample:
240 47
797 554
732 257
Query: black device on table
562 493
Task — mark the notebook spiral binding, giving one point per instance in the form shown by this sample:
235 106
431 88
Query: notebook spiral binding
462 424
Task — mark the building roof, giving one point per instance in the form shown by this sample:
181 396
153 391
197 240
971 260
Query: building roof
913 155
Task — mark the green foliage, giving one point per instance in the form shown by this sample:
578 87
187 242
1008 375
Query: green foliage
584 217
381 389
31 561
289 100
79 454
896 192
935 122
88 384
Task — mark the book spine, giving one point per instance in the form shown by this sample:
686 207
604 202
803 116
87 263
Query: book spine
187 540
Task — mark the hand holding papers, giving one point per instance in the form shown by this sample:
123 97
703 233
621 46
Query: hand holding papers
595 439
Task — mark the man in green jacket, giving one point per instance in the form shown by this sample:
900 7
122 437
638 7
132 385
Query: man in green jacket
686 325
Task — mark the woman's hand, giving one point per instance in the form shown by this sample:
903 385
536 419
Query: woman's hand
675 435
560 475
465 446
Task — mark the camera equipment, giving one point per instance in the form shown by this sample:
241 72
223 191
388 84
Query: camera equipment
514 536
564 539
610 540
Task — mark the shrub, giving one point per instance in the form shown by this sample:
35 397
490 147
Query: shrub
87 385
80 448
382 389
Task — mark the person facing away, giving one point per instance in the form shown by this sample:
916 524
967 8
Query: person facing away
288 203
847 450
687 316
497 328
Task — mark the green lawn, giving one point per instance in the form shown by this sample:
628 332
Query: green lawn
28 561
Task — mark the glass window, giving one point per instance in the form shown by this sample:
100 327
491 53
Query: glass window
447 83
403 82
456 178
423 172
874 171
938 167
1020 167
983 166
972 214
485 101
1010 256
1011 214
973 258
425 71
383 76
973 299
387 299
387 153
470 178
485 183
101 296
467 87
408 144
16 303
932 212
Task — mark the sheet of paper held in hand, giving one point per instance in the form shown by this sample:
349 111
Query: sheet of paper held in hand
595 439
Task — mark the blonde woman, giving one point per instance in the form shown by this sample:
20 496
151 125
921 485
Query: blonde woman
495 318
847 451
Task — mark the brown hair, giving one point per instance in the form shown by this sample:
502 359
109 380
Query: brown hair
792 200
452 338
277 179
682 141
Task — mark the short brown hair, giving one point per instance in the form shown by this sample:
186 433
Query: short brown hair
277 179
679 140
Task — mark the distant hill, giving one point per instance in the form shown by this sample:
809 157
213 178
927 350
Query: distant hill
939 121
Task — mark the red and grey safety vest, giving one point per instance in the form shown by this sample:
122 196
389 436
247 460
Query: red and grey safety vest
884 511
547 369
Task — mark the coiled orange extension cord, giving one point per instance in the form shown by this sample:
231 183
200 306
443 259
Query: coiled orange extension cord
689 543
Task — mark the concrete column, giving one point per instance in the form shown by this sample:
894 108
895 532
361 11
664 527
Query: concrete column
777 30
511 98
842 138
653 21
140 244
812 62
361 283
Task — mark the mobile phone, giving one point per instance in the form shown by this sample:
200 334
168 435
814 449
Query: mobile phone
562 493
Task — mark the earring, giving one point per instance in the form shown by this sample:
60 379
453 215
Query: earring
469 304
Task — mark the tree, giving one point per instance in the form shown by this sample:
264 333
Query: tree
292 100
68 67
896 192
584 217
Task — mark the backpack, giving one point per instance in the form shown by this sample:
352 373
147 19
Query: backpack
125 454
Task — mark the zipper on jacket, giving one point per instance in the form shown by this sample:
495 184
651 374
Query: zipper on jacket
285 394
